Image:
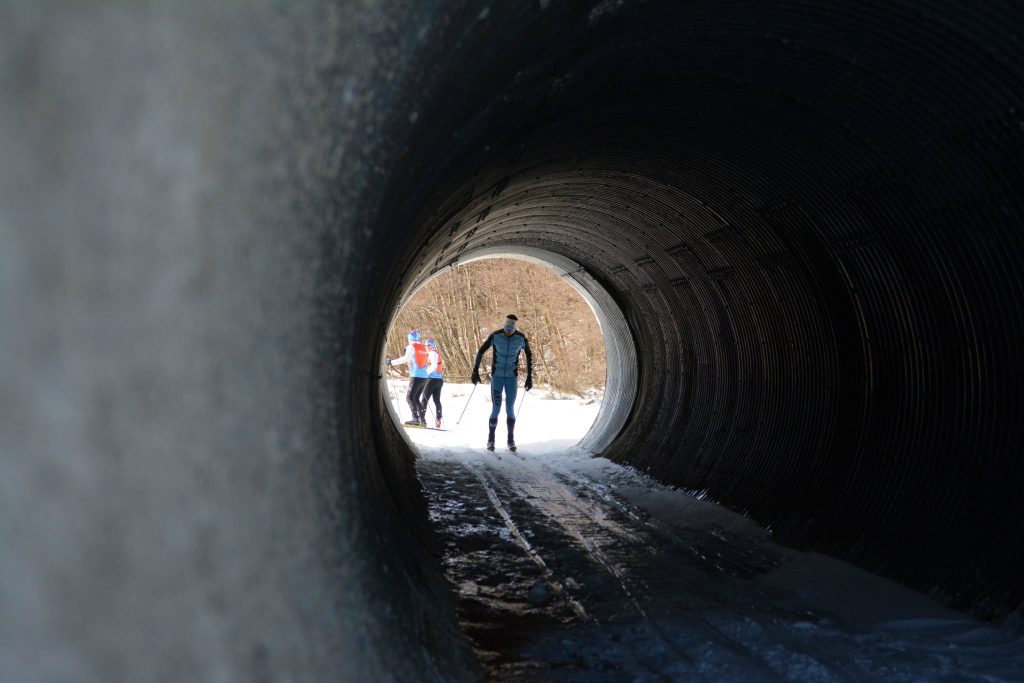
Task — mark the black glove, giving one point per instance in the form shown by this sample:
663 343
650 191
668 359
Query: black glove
475 378
529 383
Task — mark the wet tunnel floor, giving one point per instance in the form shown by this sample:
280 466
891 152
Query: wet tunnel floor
571 568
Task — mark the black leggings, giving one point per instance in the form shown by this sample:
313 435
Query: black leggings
416 387
433 390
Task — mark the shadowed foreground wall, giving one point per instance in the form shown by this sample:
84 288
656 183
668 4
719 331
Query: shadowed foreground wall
809 215
189 487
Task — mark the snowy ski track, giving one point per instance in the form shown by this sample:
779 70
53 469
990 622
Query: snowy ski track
568 567
562 573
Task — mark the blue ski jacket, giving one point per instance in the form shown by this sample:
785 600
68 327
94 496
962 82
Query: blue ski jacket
505 362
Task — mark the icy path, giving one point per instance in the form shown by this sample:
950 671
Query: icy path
571 568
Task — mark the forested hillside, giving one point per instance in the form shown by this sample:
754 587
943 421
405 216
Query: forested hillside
461 307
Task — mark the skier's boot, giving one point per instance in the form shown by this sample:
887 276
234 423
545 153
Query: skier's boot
511 424
492 424
415 421
437 423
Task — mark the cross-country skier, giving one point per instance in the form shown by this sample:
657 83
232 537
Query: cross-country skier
435 380
416 357
506 343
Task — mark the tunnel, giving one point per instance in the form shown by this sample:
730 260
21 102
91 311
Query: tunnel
619 349
800 225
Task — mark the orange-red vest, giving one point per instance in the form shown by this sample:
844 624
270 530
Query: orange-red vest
420 352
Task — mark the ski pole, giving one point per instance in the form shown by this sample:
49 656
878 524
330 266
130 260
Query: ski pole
466 406
393 393
433 411
398 402
521 402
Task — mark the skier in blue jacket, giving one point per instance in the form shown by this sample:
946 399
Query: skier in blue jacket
435 380
416 357
506 343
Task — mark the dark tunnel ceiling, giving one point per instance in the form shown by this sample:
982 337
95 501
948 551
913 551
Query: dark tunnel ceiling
810 217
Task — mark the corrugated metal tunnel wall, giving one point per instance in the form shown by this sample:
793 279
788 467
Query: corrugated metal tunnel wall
808 213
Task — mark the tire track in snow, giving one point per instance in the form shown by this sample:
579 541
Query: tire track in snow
670 593
556 587
660 529
592 528
538 486
561 504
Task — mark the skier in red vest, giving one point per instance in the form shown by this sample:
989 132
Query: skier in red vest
435 380
416 357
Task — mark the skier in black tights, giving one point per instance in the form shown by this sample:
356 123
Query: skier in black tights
435 380
416 358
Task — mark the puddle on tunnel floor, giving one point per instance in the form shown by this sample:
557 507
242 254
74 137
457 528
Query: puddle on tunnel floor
570 568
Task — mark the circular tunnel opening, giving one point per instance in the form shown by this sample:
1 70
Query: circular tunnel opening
603 400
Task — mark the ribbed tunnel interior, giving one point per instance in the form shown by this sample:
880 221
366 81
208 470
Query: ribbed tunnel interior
803 220
810 217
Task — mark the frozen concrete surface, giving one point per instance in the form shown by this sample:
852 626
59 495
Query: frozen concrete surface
569 567
572 568
178 190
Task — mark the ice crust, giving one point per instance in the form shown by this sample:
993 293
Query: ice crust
643 582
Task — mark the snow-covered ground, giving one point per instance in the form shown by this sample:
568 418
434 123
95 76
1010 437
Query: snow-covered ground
572 568
547 424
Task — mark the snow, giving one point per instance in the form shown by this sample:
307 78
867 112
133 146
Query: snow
572 567
549 424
